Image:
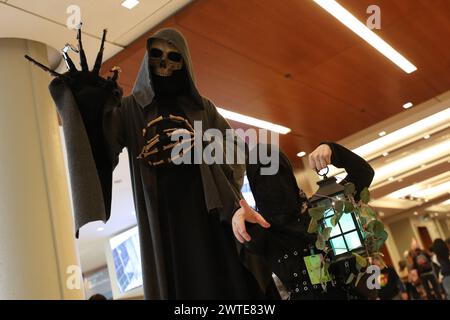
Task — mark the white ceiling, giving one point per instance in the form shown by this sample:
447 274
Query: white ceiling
45 21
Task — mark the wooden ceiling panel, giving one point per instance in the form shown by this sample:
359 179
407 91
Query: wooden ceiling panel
263 93
392 11
292 63
424 37
367 81
273 34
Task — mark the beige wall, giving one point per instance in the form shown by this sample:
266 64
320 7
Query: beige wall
444 224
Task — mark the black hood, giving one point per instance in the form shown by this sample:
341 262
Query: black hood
144 91
278 194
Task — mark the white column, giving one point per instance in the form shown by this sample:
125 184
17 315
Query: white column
402 232
396 256
37 244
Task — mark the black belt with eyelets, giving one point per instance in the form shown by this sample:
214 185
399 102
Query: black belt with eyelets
290 268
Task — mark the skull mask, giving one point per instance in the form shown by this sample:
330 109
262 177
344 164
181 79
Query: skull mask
164 58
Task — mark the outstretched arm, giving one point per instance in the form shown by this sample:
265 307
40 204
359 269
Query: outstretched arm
359 172
97 98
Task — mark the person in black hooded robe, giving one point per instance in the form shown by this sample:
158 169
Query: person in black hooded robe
284 205
184 211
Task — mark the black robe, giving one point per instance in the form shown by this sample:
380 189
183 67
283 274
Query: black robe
217 186
199 251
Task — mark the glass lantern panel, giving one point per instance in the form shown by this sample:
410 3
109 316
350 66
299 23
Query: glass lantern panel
328 213
353 240
335 230
338 245
347 223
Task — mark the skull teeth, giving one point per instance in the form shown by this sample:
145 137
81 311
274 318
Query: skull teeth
163 73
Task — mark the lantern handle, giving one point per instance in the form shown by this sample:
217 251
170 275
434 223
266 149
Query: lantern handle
324 174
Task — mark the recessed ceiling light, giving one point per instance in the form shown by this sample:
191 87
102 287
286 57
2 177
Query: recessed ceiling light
253 121
100 229
351 22
130 4
414 190
399 137
301 154
416 213
432 192
382 133
426 137
407 105
385 154
411 161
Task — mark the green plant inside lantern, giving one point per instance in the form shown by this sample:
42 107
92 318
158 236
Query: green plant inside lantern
346 229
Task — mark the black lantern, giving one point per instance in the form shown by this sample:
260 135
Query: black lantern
346 235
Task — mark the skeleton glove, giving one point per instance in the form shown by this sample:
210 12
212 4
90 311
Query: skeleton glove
90 90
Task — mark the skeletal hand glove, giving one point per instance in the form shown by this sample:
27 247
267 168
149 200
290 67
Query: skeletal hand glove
320 157
90 90
243 214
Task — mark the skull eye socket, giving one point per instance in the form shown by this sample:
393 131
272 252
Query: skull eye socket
156 53
174 56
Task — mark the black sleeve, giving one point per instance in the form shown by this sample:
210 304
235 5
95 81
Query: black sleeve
92 120
278 200
359 172
106 134
234 172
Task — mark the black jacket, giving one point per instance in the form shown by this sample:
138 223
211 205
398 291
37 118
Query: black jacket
284 205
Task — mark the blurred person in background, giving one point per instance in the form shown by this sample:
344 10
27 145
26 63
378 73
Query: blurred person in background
404 275
97 297
417 291
423 264
441 250
435 264
416 283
